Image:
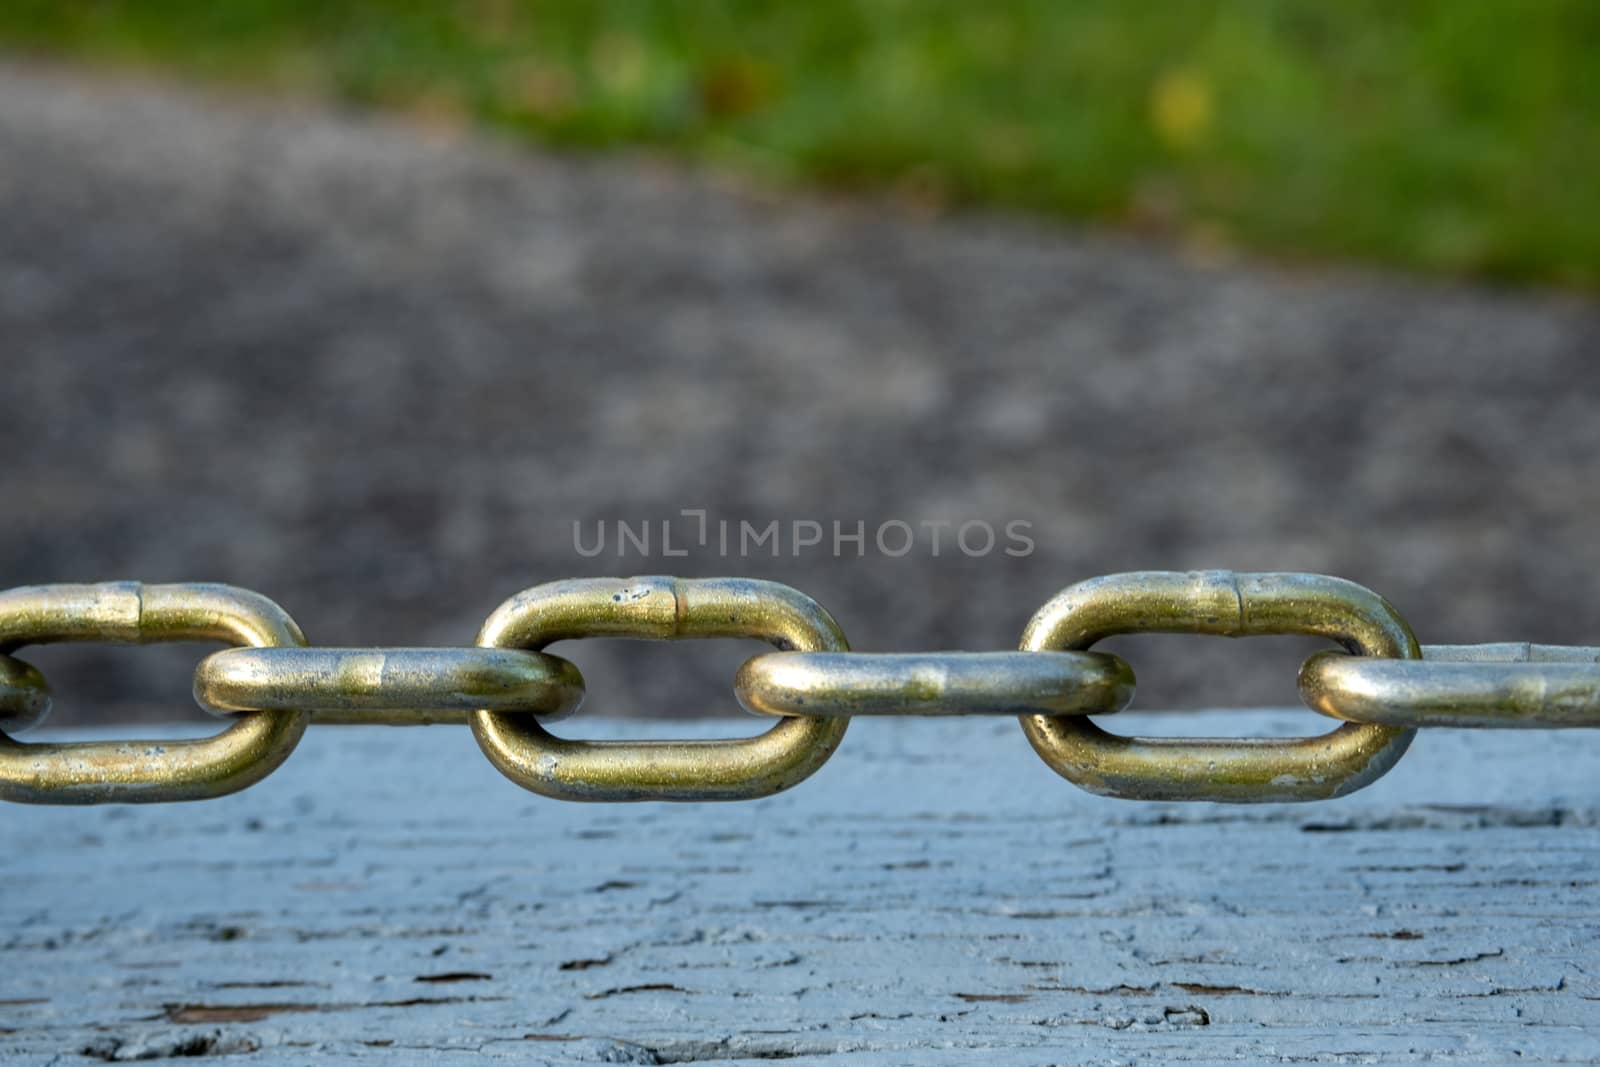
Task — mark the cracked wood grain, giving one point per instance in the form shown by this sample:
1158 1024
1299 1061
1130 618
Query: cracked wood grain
933 895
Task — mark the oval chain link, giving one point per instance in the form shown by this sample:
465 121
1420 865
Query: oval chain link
847 684
92 772
662 608
389 686
1229 605
1498 686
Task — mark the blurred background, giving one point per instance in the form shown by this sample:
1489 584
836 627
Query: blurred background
364 304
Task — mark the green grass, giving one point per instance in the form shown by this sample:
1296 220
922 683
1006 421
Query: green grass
1457 136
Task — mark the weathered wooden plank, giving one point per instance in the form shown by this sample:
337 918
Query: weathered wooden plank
933 891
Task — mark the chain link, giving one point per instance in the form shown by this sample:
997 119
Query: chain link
97 772
847 684
1228 605
1382 686
24 696
660 608
389 686
1500 686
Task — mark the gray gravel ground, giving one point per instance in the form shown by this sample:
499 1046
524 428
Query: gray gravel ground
376 372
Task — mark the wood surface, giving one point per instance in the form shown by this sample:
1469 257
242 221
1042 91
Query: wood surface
934 895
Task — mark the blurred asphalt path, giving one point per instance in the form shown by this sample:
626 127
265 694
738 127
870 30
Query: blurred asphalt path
376 371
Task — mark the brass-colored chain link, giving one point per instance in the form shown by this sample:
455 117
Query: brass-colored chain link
1498 686
1382 685
24 696
1229 605
97 772
395 686
661 608
847 684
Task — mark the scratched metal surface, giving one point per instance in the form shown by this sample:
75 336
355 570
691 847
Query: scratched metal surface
932 892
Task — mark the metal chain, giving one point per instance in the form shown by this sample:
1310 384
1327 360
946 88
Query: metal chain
1382 686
